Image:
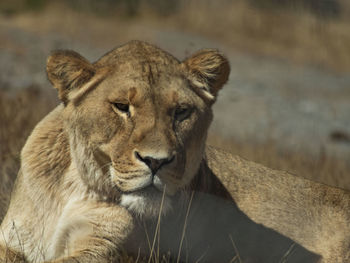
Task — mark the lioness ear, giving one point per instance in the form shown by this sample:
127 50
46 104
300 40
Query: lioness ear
67 70
208 72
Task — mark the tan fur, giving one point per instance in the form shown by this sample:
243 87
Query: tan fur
131 126
312 214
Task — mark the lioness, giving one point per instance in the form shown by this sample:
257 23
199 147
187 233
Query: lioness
121 165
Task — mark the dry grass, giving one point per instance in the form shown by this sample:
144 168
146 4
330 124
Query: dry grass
298 35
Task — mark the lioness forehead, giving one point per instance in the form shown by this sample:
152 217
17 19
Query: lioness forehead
136 87
138 71
137 53
149 72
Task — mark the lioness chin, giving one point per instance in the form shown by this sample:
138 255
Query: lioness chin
121 163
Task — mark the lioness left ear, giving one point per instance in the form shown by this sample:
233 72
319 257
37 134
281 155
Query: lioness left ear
208 71
68 71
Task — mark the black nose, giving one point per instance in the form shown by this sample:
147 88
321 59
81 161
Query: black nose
153 163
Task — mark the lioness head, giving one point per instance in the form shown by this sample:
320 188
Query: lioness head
137 119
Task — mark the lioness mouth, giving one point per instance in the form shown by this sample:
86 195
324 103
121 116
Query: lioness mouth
148 187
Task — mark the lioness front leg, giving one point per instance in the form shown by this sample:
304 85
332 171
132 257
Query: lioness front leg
96 235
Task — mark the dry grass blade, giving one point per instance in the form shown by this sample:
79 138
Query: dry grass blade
287 254
236 251
157 227
184 228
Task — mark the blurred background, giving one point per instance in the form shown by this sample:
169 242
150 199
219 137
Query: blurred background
286 105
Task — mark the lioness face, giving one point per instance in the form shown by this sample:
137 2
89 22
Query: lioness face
138 120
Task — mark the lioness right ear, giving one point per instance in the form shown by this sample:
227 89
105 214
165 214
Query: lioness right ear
67 70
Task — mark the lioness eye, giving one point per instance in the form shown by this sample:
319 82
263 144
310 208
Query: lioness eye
122 107
182 113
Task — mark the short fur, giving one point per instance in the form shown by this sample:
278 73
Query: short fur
128 141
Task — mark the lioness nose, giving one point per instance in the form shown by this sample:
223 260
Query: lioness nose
153 163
